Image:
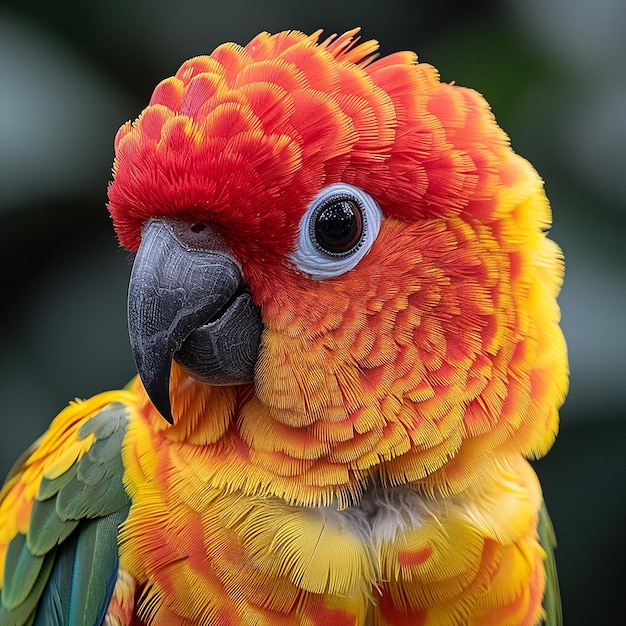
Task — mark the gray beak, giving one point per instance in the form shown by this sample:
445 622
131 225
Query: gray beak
187 300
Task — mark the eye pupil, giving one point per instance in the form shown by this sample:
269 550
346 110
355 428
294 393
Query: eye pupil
336 231
338 226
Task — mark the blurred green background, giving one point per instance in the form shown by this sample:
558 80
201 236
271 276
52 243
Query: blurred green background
554 72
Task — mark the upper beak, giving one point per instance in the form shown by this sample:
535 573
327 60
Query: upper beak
188 301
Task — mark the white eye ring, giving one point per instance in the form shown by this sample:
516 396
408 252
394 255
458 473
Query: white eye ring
318 260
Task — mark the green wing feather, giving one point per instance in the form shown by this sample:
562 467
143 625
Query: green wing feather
51 605
62 571
552 595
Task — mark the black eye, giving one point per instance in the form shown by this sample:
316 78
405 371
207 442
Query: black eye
337 229
337 226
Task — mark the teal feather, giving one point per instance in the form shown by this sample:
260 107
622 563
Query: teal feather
91 471
85 570
97 488
46 529
95 561
21 578
48 488
109 592
53 607
23 614
105 423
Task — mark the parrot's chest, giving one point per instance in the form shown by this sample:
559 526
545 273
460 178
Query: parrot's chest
205 553
266 553
196 545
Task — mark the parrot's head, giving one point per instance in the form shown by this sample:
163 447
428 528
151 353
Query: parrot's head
346 256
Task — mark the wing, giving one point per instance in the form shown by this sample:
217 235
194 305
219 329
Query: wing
552 596
60 510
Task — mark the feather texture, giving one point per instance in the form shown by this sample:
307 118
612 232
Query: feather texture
62 570
54 604
374 472
433 366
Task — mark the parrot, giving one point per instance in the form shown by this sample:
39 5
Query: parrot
343 312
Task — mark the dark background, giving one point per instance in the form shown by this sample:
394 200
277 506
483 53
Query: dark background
554 72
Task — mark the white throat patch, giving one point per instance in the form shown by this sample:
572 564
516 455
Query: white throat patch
382 514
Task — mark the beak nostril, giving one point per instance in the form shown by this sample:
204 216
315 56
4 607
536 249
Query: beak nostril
198 227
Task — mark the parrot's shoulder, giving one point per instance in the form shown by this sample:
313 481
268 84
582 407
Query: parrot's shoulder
60 509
